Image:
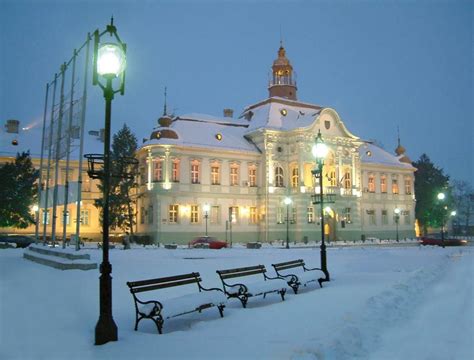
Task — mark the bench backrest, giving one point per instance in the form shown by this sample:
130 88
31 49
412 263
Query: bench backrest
239 272
288 265
165 282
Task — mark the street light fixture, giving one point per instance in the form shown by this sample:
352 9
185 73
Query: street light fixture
287 202
320 151
206 209
397 219
441 196
109 63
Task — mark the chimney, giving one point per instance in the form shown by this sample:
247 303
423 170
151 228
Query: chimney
228 113
12 126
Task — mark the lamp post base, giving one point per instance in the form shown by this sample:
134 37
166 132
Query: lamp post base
106 329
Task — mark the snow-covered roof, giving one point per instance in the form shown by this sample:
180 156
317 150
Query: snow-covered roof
372 154
280 114
199 130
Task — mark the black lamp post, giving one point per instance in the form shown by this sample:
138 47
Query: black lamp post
287 202
320 151
441 196
109 63
206 209
397 219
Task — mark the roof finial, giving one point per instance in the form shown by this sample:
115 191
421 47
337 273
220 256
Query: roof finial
164 107
112 20
398 132
281 38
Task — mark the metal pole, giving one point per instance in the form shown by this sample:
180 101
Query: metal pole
206 216
58 156
397 219
287 226
50 145
68 146
81 146
323 244
40 179
106 329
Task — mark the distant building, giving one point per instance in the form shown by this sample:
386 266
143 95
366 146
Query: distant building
244 167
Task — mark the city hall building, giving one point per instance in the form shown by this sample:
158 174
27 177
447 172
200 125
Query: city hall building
231 174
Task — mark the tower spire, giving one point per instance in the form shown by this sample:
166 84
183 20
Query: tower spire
282 83
164 106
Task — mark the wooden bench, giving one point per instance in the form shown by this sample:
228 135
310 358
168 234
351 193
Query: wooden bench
294 280
158 311
259 287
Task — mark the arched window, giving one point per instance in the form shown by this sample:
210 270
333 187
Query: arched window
279 176
371 183
294 177
347 179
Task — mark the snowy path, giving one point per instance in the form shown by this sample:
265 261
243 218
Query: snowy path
383 303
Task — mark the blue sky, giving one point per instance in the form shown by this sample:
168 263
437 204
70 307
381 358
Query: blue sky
380 64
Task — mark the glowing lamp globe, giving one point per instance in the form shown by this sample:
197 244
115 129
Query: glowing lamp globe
206 208
453 213
320 149
35 208
287 201
441 196
111 60
397 211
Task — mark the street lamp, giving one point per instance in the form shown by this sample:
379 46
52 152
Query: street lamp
320 151
287 202
206 209
109 63
397 219
441 196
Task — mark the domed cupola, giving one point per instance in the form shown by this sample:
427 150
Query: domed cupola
282 83
400 151
163 130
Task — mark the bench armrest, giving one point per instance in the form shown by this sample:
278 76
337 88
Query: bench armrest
270 278
210 289
293 278
241 290
310 269
157 306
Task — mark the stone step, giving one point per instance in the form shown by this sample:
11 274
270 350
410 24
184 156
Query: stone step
59 262
59 252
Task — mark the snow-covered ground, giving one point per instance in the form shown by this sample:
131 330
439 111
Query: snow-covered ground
382 303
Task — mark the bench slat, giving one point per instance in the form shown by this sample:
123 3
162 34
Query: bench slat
240 274
295 262
228 271
163 280
289 266
163 285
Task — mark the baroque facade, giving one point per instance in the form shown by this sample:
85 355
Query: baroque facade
230 175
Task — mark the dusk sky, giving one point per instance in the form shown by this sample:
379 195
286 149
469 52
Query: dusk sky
380 64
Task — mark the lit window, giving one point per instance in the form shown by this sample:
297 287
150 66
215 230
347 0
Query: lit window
195 172
194 214
294 177
279 176
46 217
173 214
175 174
383 184
234 176
347 215
215 175
157 170
253 215
347 179
279 215
234 214
85 217
371 183
394 186
332 177
253 176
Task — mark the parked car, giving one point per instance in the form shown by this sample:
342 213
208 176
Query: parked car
436 240
207 242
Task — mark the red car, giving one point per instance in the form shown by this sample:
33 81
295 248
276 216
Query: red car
207 242
439 242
